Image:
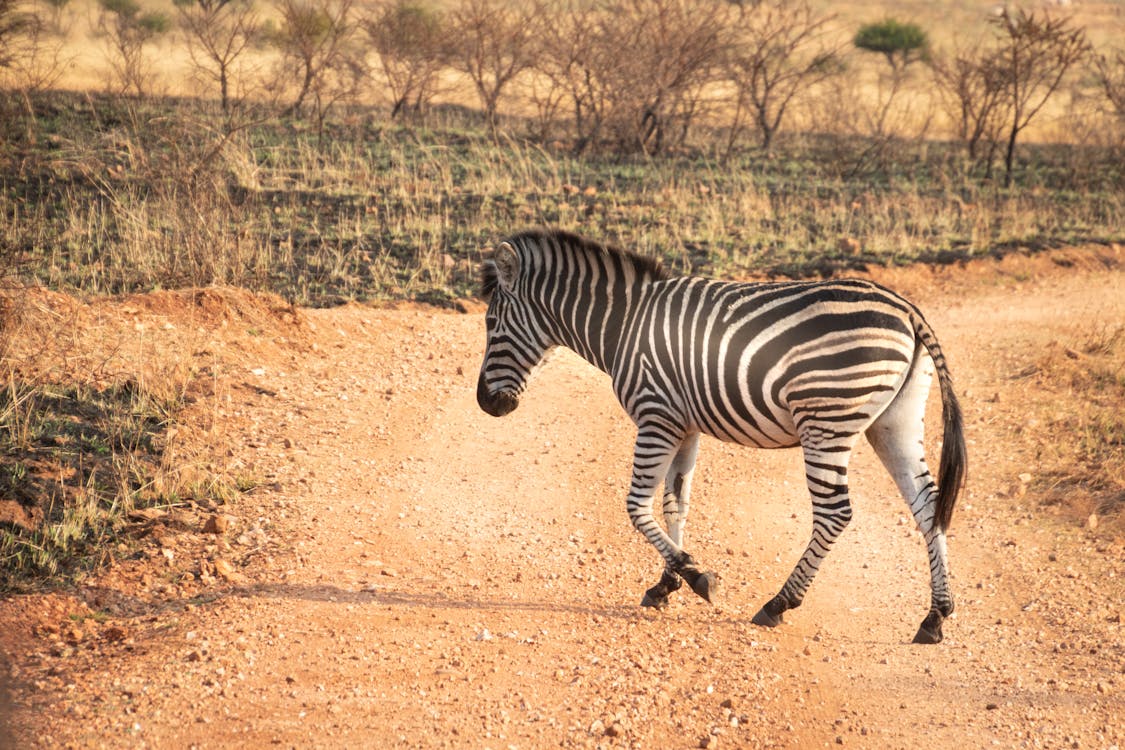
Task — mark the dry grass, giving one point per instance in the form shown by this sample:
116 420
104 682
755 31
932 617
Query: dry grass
115 196
1083 443
91 437
77 462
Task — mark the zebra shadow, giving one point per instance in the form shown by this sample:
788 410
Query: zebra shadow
728 616
434 600
725 615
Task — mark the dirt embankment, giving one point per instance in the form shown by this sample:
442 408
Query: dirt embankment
413 573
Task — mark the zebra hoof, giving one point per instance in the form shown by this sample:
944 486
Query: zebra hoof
930 630
657 596
766 620
772 612
704 584
927 636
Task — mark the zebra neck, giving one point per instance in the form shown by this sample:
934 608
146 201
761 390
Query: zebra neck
596 325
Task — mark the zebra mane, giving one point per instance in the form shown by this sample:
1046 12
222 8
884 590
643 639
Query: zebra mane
572 244
643 265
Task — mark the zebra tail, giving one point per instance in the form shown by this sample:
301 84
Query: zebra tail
954 456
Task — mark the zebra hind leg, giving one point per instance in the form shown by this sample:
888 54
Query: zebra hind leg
677 491
654 458
826 474
896 436
941 602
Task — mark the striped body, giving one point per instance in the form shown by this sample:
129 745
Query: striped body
810 364
752 363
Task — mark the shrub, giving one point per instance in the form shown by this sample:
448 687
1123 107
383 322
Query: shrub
901 43
128 31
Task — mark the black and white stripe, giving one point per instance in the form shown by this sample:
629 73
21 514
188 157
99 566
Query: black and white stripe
777 365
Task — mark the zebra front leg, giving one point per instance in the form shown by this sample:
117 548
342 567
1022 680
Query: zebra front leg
677 491
653 457
826 474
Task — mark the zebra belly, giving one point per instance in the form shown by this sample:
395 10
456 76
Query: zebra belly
740 422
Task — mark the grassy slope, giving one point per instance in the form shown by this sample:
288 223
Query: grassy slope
104 196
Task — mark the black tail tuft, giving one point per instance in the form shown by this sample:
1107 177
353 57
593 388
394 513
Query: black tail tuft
954 456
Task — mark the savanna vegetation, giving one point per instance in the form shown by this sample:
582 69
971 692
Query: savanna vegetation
733 139
332 150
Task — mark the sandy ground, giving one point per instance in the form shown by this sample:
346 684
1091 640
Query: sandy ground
413 573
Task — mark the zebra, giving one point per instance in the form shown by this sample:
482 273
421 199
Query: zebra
815 364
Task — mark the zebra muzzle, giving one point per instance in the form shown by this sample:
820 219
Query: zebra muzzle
496 403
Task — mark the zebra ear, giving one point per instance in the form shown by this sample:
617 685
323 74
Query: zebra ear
507 265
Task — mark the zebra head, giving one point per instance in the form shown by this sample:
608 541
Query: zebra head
517 342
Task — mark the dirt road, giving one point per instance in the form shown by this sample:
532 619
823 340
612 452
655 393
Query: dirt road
414 573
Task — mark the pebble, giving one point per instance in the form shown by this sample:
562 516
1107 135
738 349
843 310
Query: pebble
217 523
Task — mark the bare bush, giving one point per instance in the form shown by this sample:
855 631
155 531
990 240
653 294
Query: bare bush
658 56
128 31
971 83
634 71
492 44
411 41
316 39
57 18
1109 72
570 57
16 24
31 54
218 32
778 51
1034 53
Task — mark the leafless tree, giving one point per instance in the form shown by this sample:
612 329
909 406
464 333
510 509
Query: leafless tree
128 31
57 19
492 44
411 41
571 57
16 24
1109 72
1034 53
971 83
778 51
660 55
218 33
30 59
316 41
